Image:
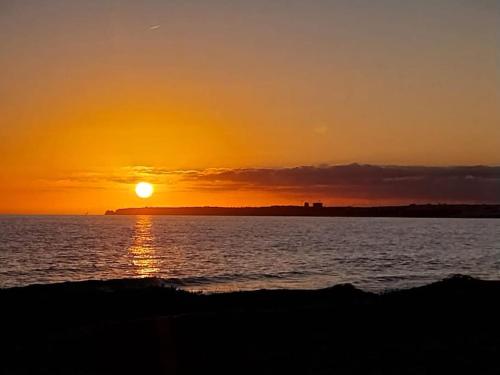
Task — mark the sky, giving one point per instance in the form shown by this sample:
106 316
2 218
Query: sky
219 102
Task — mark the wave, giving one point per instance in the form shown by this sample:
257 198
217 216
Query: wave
191 281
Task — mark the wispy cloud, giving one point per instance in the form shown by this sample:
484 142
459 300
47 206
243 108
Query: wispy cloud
347 183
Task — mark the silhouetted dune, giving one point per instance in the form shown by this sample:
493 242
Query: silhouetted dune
145 326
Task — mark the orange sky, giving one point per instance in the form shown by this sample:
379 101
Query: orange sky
91 92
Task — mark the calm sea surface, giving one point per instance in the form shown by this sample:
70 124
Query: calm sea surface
226 253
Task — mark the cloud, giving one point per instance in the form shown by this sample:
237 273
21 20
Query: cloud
126 175
354 182
337 184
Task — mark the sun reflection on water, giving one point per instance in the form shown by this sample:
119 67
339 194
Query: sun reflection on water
142 250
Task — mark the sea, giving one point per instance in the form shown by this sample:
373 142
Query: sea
215 253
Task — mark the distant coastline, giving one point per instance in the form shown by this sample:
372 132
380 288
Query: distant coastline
413 210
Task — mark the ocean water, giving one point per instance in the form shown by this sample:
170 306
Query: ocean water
244 253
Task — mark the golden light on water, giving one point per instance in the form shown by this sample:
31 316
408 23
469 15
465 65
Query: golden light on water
142 249
144 189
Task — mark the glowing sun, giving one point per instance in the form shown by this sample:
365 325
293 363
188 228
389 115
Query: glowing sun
144 189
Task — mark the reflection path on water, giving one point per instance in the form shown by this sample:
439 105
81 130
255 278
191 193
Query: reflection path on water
142 250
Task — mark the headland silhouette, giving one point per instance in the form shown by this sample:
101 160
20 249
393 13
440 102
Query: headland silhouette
318 209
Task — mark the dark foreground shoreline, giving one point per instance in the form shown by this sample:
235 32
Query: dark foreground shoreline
142 327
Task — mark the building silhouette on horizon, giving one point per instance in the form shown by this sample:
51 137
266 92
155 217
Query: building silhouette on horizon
314 205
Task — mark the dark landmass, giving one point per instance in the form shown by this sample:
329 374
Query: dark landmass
143 327
414 210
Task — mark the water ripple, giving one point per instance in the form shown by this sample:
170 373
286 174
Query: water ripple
227 253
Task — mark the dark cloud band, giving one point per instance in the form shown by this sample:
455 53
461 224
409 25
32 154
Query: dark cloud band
471 184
